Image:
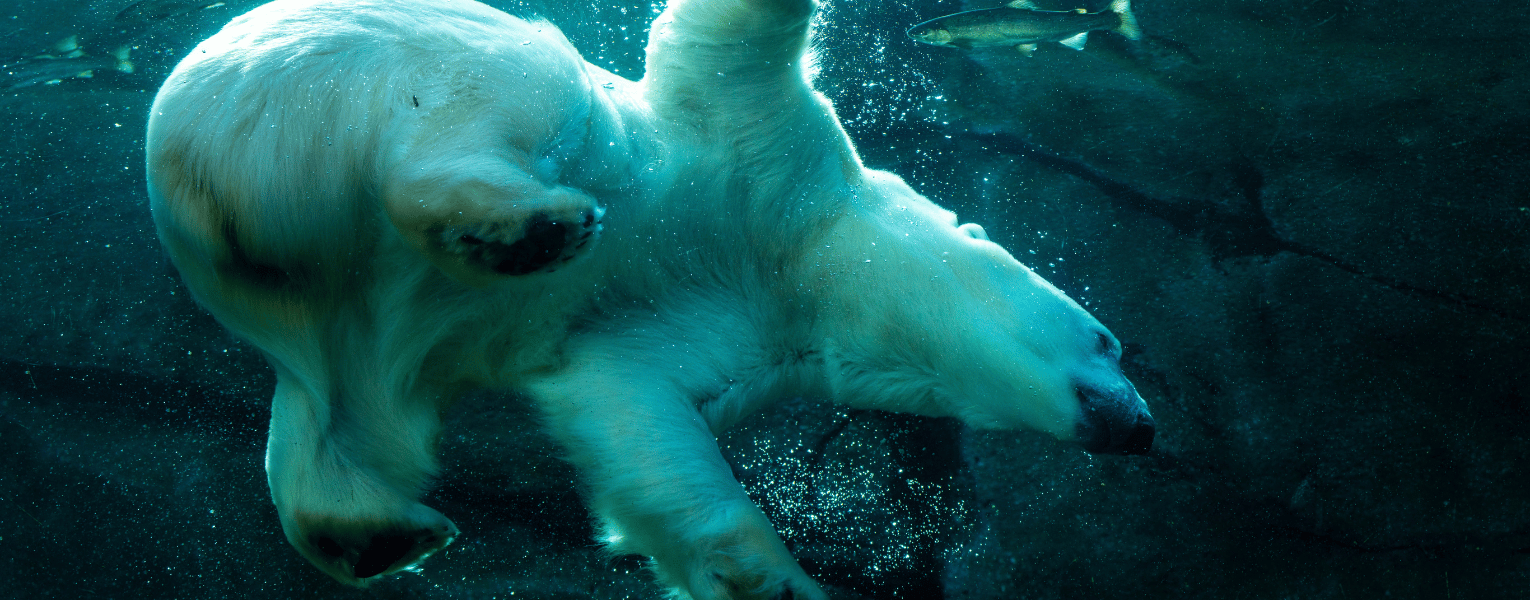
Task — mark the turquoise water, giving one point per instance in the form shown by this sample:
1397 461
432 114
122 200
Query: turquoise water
1307 222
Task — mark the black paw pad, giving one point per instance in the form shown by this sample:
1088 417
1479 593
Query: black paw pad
381 554
545 242
542 243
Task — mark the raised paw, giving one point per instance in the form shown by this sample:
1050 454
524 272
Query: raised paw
542 244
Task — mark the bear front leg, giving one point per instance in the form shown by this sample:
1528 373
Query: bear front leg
660 487
694 41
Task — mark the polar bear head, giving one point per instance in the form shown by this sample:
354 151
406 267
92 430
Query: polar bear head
930 317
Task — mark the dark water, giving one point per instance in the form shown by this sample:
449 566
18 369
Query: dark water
1308 222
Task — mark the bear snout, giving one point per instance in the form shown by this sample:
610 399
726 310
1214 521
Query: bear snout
1114 420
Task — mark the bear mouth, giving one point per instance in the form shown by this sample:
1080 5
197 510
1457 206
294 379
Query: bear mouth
1113 421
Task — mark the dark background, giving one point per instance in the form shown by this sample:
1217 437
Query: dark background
1307 220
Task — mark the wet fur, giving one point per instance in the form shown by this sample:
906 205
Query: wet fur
321 174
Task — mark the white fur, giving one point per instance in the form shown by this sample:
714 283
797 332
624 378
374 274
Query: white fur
315 167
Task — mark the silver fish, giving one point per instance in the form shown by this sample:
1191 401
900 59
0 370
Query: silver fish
146 11
65 60
1021 25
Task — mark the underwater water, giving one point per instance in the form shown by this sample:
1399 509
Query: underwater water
1308 222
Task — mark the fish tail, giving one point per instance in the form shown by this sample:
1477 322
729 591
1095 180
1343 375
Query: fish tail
1128 26
122 55
1076 42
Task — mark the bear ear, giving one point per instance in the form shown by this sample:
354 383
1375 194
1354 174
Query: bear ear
480 223
974 231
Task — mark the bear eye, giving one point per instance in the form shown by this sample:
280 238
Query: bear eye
1104 344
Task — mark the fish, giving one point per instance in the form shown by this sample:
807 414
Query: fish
1021 25
68 47
145 11
64 60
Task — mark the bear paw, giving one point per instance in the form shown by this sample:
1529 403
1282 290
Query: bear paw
730 587
735 574
542 244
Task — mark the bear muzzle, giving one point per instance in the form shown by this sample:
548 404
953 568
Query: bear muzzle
1114 419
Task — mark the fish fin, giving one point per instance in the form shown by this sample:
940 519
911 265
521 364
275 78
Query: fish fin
1076 42
67 45
1022 4
123 54
1026 49
1128 26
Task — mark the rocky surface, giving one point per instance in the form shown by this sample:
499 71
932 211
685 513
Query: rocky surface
1309 223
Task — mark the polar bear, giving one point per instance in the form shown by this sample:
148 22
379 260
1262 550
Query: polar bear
397 201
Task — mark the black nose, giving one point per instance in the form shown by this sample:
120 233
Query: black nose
1114 420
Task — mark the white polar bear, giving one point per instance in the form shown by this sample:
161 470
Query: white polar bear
400 200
